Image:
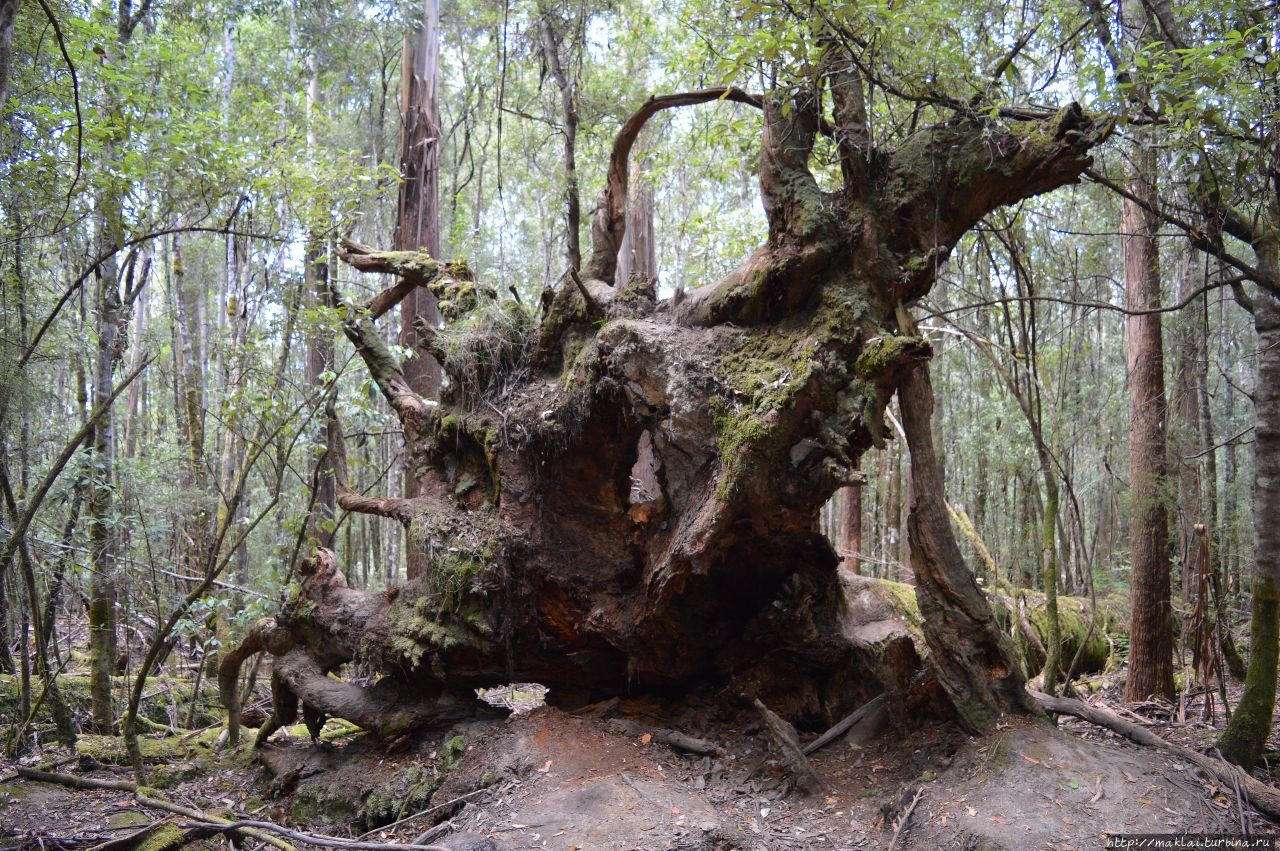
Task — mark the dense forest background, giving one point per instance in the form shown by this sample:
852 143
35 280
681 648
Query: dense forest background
178 177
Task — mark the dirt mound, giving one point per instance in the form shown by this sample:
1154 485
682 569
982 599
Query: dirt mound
577 783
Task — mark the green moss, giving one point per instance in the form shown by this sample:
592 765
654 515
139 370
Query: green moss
1246 735
129 818
882 355
1073 620
11 792
174 758
109 750
901 597
335 803
164 838
451 754
411 791
761 375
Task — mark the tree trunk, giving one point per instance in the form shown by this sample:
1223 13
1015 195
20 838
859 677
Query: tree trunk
549 43
643 511
850 525
102 582
969 653
1246 735
638 257
418 218
1049 571
8 16
1151 627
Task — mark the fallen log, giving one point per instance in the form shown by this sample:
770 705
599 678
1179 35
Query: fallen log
1084 632
1265 798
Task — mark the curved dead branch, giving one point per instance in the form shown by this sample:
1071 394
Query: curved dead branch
393 507
609 222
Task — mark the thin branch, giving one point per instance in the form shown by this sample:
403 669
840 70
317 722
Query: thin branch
1095 305
1197 237
101 258
42 490
75 98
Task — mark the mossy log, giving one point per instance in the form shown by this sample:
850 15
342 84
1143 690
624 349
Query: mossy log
626 495
1022 615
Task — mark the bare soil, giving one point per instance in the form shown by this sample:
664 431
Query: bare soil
550 779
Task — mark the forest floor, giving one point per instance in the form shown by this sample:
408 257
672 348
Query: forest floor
550 779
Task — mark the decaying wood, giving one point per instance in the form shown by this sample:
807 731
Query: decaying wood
1265 798
739 410
785 739
672 738
875 706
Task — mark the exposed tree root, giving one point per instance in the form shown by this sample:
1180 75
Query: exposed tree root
740 410
1262 796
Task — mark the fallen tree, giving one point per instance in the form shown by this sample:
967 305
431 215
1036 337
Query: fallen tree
622 493
1022 614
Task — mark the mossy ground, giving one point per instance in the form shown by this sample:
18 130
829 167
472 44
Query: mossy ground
166 699
171 759
341 800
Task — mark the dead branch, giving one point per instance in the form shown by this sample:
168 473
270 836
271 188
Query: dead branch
901 826
385 370
866 710
1264 797
784 738
314 838
671 738
203 819
397 508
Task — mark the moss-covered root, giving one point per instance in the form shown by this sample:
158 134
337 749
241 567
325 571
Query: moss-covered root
163 837
1246 734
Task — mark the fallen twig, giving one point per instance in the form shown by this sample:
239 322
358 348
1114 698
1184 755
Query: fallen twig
428 811
901 826
315 838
